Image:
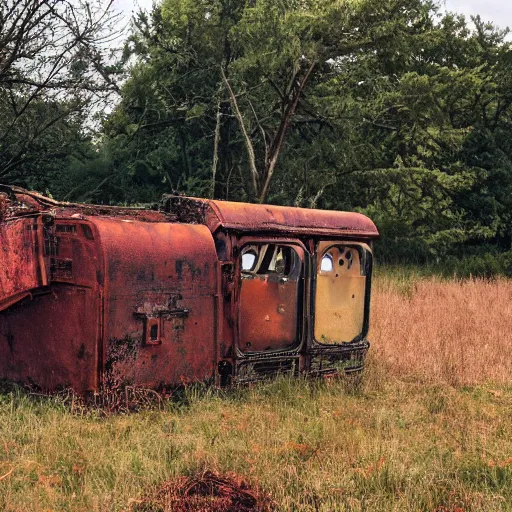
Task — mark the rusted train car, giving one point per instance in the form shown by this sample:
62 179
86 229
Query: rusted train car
195 290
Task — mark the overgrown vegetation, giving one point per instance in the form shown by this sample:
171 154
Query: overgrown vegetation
449 331
394 108
427 430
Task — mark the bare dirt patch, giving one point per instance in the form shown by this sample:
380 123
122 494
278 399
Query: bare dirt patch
204 492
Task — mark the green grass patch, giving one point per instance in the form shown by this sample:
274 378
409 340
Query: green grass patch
312 445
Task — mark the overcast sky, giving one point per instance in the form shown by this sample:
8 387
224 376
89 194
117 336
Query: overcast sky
497 11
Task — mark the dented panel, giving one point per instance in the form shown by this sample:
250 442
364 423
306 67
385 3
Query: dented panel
98 297
161 284
22 264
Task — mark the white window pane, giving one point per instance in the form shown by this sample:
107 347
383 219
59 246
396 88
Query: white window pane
248 260
326 265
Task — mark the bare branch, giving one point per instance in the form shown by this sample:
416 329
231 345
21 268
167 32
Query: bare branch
263 133
248 142
216 140
54 51
277 142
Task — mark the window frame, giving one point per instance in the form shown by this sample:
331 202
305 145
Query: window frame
305 272
366 257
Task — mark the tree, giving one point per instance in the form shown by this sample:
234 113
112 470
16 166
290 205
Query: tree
382 106
439 129
55 68
242 78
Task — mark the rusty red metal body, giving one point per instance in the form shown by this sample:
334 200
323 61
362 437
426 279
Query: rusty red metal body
195 290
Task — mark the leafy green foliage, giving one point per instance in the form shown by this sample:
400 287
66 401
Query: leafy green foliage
437 132
388 107
57 66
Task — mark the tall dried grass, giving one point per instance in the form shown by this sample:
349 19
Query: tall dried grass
455 332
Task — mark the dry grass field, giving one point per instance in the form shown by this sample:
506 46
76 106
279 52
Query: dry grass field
429 429
443 331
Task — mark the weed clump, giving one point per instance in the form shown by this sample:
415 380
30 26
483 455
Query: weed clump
204 491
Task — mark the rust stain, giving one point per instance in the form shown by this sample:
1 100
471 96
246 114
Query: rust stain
261 307
267 218
95 297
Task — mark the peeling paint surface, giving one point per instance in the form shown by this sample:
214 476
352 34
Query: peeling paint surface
160 288
264 218
95 297
340 293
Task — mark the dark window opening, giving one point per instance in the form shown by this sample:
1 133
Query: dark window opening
65 228
221 248
270 259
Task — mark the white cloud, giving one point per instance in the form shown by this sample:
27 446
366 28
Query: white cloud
498 12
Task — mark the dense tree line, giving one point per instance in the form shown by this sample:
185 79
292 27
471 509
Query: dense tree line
390 107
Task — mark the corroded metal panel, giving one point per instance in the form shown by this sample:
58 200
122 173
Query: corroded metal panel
21 259
50 341
340 292
269 218
160 302
268 314
271 293
49 338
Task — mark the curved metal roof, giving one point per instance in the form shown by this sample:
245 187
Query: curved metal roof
215 214
269 218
